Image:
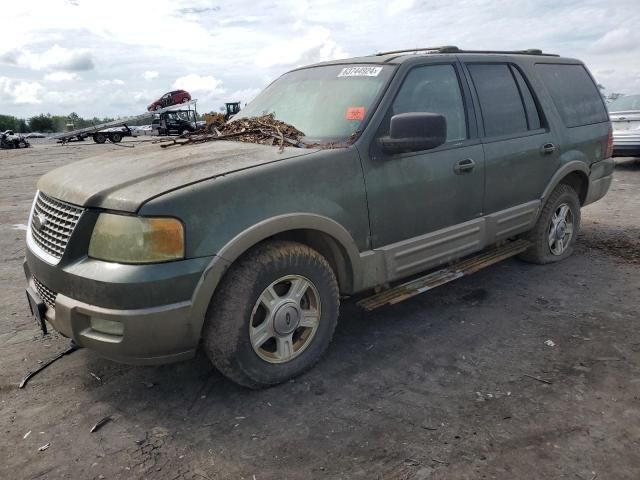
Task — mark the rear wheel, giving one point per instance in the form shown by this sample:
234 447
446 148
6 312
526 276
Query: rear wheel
273 315
99 137
554 235
115 137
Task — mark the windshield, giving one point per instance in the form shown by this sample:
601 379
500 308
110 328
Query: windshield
327 103
626 102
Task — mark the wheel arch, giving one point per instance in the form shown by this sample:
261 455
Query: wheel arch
321 233
575 174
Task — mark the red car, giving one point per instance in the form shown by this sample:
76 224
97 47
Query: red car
168 99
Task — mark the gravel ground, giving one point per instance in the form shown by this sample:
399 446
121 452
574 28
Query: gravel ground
518 371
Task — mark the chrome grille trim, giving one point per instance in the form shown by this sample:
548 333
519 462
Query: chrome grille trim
60 220
47 295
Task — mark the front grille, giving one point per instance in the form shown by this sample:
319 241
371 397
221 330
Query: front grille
55 224
47 295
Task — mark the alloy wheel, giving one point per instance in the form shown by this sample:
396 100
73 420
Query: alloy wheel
285 319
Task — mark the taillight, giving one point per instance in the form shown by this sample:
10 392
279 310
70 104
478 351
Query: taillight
609 153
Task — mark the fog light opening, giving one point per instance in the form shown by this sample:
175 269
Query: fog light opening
110 327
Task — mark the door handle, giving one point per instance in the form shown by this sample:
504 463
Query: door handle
548 148
464 166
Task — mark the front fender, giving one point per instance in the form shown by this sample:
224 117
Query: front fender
253 235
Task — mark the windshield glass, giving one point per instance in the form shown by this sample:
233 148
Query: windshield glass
626 102
327 103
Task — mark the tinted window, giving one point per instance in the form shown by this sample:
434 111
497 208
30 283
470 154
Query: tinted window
502 108
533 117
574 93
434 89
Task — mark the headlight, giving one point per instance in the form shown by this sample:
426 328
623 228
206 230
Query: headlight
128 239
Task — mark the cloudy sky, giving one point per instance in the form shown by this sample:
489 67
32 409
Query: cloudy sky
113 57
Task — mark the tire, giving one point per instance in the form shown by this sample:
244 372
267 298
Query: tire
99 137
258 349
551 244
115 137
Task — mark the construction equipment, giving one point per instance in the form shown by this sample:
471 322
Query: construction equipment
232 109
215 120
114 131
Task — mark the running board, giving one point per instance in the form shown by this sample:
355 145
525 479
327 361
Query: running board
445 275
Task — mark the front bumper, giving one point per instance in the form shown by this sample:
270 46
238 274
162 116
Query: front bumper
153 331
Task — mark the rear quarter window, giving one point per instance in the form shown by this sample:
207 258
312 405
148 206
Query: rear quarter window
574 93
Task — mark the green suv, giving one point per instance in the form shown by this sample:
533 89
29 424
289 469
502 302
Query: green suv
410 160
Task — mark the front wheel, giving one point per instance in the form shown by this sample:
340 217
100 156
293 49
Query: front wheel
555 232
273 315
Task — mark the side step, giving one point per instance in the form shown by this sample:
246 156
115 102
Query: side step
445 275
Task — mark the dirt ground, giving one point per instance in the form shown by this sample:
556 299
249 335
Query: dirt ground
438 387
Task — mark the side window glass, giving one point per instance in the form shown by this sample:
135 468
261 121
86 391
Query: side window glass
502 108
434 89
575 94
533 116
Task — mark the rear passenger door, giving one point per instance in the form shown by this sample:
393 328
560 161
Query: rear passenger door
521 153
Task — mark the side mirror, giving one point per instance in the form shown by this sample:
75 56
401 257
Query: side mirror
413 132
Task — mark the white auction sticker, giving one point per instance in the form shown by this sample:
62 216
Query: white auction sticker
367 71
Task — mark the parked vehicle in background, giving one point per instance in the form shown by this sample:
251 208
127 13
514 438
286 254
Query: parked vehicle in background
175 122
171 98
9 139
624 113
410 161
35 135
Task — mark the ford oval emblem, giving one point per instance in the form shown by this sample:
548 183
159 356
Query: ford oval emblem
39 221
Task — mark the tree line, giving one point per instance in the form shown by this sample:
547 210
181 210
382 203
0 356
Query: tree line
47 123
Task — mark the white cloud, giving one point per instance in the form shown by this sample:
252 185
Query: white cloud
316 45
115 81
244 96
616 39
20 92
243 45
61 76
198 83
55 58
397 6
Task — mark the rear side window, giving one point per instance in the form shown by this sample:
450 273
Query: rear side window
574 93
502 107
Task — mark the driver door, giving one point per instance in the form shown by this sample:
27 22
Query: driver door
426 206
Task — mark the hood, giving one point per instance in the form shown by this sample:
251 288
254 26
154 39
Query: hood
125 179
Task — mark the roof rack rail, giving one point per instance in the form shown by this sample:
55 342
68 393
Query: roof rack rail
454 49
